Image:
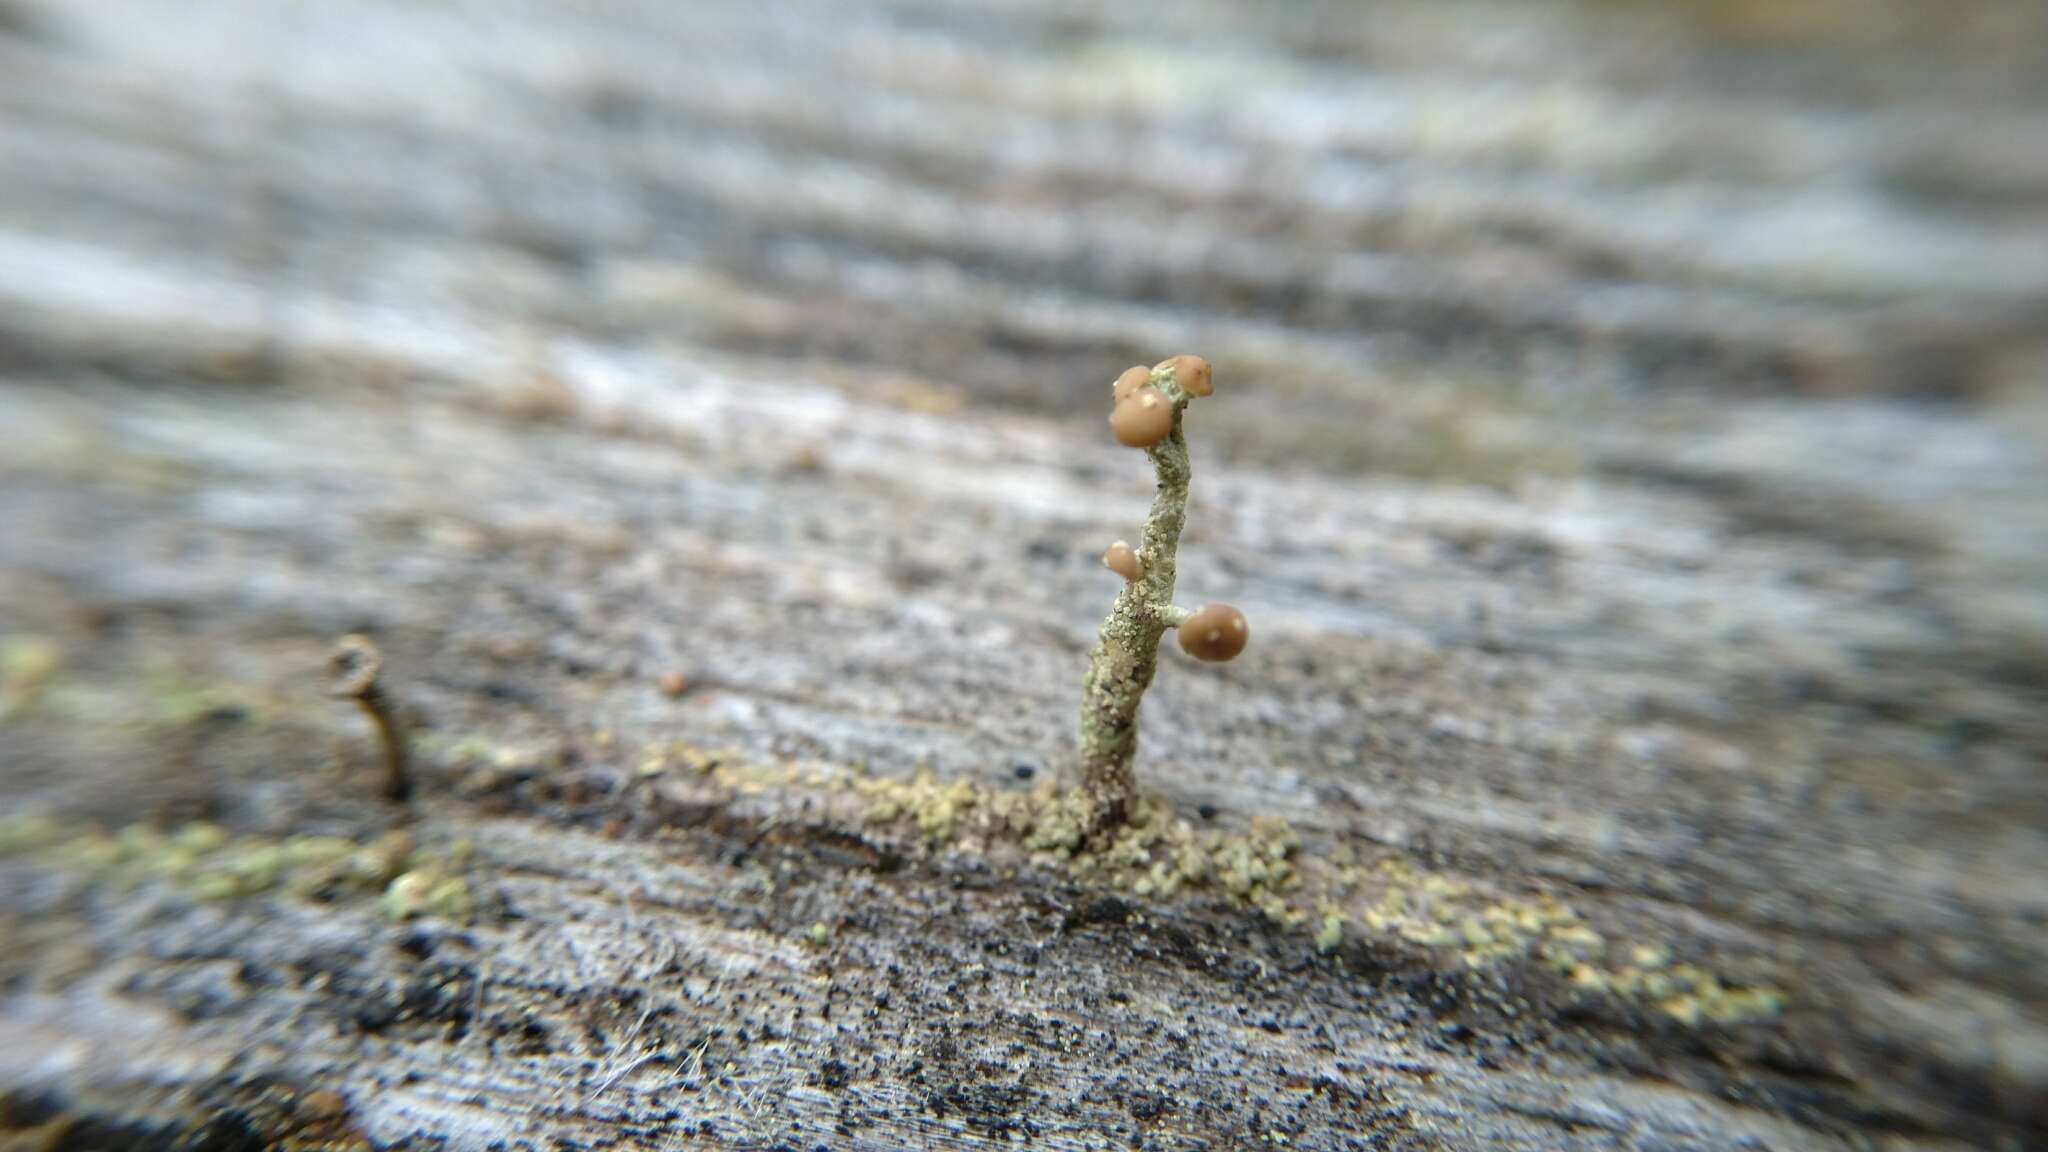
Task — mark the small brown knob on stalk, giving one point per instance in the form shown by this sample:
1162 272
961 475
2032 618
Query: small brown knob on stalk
1192 372
1215 633
1142 419
1122 559
1133 378
352 671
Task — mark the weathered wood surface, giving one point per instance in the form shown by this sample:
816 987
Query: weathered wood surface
1629 446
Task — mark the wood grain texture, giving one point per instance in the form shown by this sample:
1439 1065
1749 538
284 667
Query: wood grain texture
1628 445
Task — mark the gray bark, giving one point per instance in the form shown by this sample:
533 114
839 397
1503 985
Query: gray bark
1628 446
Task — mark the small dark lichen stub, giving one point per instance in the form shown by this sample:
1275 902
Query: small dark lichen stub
352 670
1146 413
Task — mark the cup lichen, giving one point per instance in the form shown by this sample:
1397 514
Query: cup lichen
1148 406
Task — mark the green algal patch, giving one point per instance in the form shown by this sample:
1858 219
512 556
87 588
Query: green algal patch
28 664
1336 897
178 700
435 890
207 862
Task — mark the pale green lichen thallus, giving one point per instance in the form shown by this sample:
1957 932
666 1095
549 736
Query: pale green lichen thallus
1148 405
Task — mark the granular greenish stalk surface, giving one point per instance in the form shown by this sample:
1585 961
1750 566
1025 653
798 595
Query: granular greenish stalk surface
1127 652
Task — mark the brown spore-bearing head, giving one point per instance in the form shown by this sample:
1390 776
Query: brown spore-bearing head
1122 559
1133 378
1215 633
1191 372
1142 419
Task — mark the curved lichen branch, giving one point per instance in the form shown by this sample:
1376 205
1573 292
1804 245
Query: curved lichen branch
352 669
1171 615
1147 414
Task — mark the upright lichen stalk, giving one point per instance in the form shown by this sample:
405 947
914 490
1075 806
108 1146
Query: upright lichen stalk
1149 407
353 667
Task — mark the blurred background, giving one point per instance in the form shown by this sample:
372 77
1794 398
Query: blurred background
1630 439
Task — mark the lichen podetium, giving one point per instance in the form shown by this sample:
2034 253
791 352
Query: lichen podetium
1126 654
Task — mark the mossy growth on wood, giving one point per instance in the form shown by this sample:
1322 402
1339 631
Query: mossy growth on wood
207 861
1148 406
